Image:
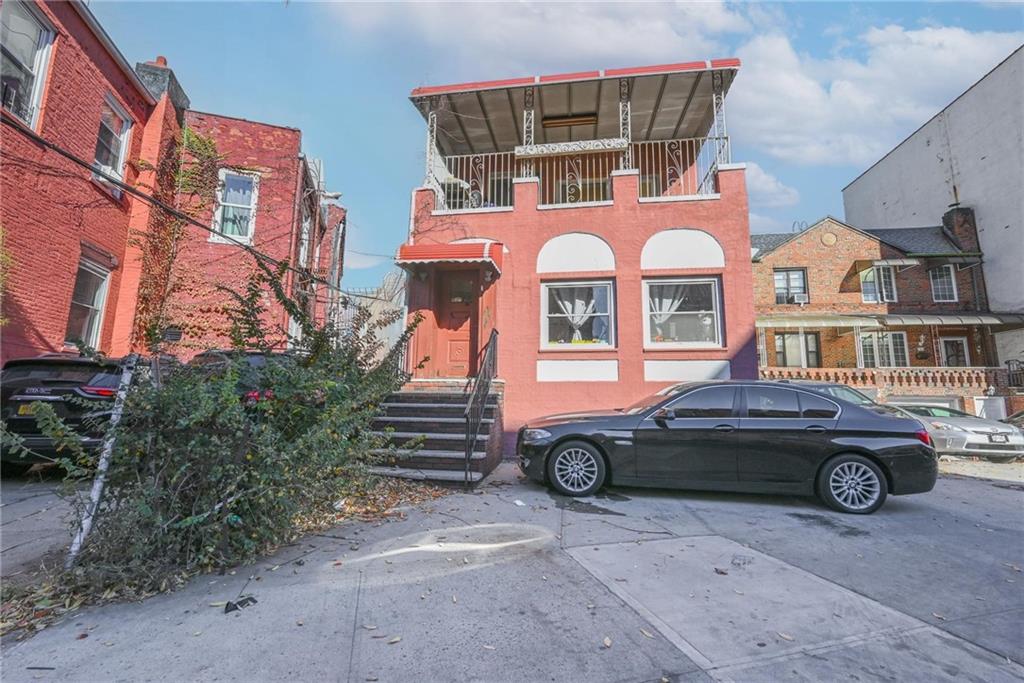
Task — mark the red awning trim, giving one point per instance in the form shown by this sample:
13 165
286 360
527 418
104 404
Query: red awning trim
728 63
488 253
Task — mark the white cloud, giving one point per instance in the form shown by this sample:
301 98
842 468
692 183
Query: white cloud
491 40
766 190
761 223
358 261
846 110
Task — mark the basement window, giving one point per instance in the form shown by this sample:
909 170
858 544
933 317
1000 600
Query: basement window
25 39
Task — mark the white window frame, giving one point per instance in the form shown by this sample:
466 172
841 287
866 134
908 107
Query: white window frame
879 297
125 138
99 271
545 343
952 278
874 336
646 312
217 235
41 66
942 350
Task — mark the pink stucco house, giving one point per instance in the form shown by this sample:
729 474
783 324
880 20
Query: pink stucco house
591 225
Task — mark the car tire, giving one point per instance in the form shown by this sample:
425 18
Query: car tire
576 468
852 484
15 469
1001 459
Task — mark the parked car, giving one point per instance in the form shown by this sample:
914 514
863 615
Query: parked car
251 386
1017 420
54 378
958 433
747 436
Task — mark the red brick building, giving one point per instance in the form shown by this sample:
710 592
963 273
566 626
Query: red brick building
595 221
901 313
75 115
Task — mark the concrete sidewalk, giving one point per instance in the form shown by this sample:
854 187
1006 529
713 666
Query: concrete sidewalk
32 523
515 583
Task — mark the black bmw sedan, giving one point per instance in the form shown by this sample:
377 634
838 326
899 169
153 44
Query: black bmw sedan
749 436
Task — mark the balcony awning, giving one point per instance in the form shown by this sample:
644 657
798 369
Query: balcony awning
815 320
484 253
667 102
1008 320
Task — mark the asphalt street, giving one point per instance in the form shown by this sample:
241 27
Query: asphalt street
514 583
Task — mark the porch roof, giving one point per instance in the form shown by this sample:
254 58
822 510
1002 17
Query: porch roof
667 101
485 253
1013 320
812 320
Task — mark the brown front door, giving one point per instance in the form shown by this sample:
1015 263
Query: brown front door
456 323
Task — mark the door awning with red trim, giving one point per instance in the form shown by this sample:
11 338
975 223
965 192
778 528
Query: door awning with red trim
484 253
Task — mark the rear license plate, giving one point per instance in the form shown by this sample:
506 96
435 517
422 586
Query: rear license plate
25 409
998 438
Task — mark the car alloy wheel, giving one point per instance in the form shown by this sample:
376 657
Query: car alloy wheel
576 469
852 483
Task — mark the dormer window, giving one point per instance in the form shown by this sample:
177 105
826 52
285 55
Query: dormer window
878 285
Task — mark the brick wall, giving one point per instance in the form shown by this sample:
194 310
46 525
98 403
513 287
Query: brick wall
51 207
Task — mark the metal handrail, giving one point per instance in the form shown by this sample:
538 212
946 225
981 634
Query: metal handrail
480 389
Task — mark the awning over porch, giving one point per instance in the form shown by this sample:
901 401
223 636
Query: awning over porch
483 253
815 321
1013 320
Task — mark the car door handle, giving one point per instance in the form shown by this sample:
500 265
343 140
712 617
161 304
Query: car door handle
814 428
724 428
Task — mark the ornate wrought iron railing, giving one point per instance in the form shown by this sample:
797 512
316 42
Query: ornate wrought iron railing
569 179
475 181
479 391
679 168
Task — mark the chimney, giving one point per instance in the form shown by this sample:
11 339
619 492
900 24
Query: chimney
959 224
160 79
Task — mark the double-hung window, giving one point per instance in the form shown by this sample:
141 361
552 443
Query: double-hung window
943 283
878 285
87 301
235 216
682 313
577 313
791 286
112 139
790 354
884 350
25 40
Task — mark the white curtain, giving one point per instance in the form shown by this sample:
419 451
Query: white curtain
577 303
666 300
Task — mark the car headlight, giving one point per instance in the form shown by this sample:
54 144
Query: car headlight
947 427
535 435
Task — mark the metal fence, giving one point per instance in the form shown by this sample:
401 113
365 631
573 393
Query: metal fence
678 168
476 181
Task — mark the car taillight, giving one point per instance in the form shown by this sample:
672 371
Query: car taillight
924 437
98 391
253 396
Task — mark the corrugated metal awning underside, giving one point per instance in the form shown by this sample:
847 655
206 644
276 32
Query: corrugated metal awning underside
484 253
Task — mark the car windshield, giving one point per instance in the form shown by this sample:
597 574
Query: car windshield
938 411
840 391
654 399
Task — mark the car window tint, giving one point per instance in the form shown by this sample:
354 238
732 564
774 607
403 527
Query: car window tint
814 407
710 402
72 374
772 402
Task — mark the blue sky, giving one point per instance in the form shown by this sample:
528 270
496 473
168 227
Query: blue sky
825 88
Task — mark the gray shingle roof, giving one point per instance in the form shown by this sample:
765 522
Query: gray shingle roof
767 241
930 240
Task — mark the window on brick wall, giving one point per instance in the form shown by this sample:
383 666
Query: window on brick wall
878 285
943 283
87 301
112 139
791 286
789 354
235 217
884 350
682 313
25 39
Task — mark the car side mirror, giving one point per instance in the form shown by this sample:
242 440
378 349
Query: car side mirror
664 414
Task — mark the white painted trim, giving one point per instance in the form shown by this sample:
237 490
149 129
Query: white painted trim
531 179
952 275
645 296
680 198
216 235
686 370
679 248
101 272
575 252
577 371
738 166
483 209
546 346
942 350
41 64
626 172
577 205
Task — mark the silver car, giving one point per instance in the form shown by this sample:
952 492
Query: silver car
958 433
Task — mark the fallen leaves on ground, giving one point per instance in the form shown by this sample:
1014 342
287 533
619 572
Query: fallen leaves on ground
647 634
785 636
607 642
395 640
723 572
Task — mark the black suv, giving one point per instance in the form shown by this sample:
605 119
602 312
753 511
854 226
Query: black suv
54 378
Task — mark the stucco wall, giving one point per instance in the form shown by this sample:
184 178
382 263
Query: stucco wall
625 225
971 152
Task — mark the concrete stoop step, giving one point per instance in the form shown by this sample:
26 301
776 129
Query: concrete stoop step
427 431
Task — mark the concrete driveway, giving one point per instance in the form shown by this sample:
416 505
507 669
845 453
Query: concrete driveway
514 583
32 522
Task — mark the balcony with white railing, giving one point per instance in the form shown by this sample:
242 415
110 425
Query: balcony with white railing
668 170
905 380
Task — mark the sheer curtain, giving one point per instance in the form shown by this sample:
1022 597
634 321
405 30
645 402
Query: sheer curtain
666 300
577 303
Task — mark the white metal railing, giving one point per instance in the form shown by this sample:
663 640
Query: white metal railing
570 179
679 168
474 181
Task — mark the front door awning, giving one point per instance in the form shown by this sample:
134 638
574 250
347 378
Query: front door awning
484 253
1006 320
